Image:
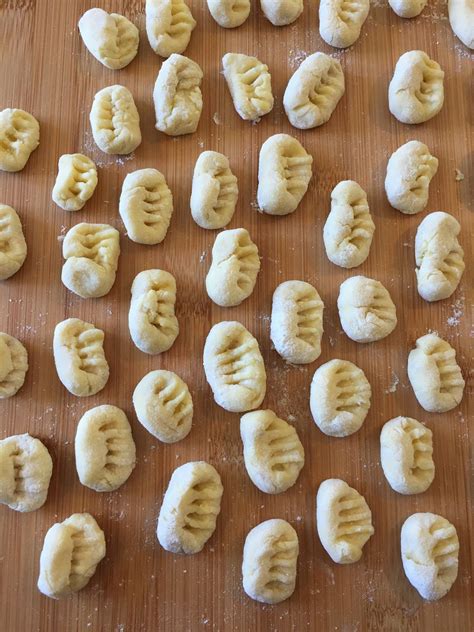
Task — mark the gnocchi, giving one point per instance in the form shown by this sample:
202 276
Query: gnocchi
19 137
169 24
229 13
13 365
75 183
407 8
282 12
341 21
461 19
115 121
13 247
250 85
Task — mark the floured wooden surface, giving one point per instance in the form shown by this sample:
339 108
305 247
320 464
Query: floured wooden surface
46 70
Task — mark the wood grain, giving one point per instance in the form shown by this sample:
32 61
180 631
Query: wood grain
45 69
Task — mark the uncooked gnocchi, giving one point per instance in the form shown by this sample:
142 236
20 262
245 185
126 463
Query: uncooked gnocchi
72 550
416 91
284 174
91 252
105 449
13 365
406 455
229 13
110 37
407 8
340 398
115 121
19 137
164 406
234 269
250 85
13 247
269 561
177 96
343 520
297 322
152 321
340 21
461 18
273 453
169 24
234 367
430 551
25 472
75 183
435 375
79 357
282 12
439 256
349 228
314 91
409 172
190 508
214 191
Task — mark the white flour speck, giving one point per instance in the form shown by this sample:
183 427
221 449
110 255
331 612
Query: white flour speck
393 384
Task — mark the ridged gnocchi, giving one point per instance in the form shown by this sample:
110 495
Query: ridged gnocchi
151 319
273 453
13 247
13 365
177 96
314 91
91 252
461 19
340 398
250 85
190 508
79 357
435 375
234 367
407 8
234 269
75 183
164 406
269 561
343 520
229 13
349 228
439 256
19 137
169 24
341 21
282 12
214 192
284 174
115 121
296 326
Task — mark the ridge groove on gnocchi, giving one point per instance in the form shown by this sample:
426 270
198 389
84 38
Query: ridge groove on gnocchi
13 365
341 21
169 24
282 12
115 121
229 13
19 137
75 183
250 85
13 248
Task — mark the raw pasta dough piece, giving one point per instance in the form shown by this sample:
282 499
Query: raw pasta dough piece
152 321
105 449
416 91
284 174
439 256
13 365
406 455
71 552
234 269
12 242
407 8
430 550
343 520
435 375
25 472
314 91
146 206
91 252
75 183
282 12
229 13
79 357
19 137
273 453
366 309
340 398
169 24
234 367
461 18
340 21
115 121
269 563
177 96
215 191
349 228
164 406
190 508
297 322
250 85
409 172
110 37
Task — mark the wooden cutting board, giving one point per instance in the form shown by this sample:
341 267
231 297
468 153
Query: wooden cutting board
45 69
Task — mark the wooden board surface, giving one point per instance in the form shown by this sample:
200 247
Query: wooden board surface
45 69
